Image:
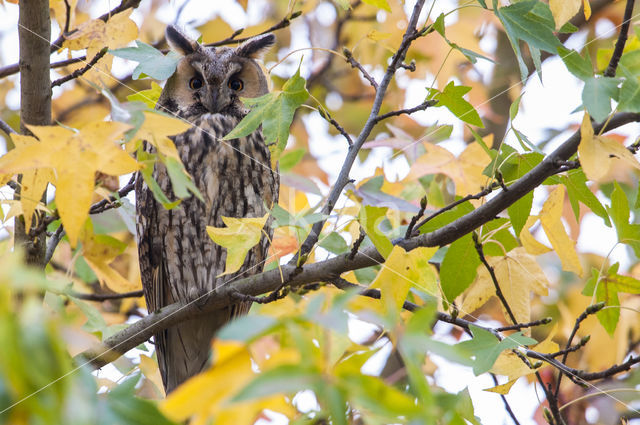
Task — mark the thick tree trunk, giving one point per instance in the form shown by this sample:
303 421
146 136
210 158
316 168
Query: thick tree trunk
35 97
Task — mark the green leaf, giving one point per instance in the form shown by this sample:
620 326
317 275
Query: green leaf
180 179
150 60
576 64
501 240
370 218
606 288
380 4
629 65
532 22
334 243
95 323
149 161
247 328
485 347
291 158
619 212
130 409
577 189
459 267
629 96
275 112
286 379
451 98
597 94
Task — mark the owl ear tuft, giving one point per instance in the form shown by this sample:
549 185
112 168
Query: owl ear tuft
179 42
256 47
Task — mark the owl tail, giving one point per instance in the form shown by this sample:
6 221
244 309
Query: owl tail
184 350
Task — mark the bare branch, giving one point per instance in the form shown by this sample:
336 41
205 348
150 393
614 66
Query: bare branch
81 71
421 107
104 297
355 64
622 40
6 127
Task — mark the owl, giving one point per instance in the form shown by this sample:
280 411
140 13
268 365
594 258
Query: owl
178 260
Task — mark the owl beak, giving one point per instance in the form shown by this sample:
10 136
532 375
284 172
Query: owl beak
211 101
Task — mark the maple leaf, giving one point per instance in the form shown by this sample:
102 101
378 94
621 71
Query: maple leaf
99 251
551 220
240 235
512 366
402 271
33 182
75 157
465 170
518 274
597 153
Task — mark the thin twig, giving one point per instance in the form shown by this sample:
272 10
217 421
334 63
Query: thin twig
496 284
53 243
519 326
284 23
421 107
484 192
356 244
104 297
355 64
81 71
325 114
622 40
415 218
506 403
592 309
6 127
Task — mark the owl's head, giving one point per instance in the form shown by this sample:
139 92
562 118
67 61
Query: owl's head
212 79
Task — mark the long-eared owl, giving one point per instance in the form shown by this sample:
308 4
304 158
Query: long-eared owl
178 260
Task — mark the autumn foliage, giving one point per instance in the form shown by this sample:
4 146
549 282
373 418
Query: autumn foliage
438 247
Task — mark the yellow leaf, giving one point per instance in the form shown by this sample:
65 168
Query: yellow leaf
99 251
204 392
118 31
399 273
563 10
530 243
156 130
551 219
240 235
75 157
33 183
465 171
149 369
597 153
510 365
518 274
215 30
587 9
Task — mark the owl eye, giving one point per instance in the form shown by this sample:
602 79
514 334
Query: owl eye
235 84
195 83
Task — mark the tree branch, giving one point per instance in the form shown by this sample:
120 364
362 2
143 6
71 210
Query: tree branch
343 178
81 71
622 40
328 270
421 107
6 127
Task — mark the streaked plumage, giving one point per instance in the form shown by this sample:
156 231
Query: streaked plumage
178 260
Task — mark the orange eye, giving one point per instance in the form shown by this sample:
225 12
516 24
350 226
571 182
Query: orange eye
235 84
195 83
